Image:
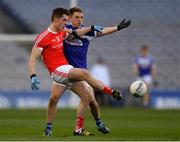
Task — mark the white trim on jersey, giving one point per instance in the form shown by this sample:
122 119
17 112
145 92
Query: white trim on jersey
40 38
51 31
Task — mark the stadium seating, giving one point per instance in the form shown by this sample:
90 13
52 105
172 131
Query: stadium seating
154 23
14 68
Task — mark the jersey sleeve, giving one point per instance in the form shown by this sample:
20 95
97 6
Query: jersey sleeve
152 60
136 60
41 42
91 34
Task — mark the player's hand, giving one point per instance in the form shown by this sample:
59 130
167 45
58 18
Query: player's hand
123 24
97 28
155 83
34 82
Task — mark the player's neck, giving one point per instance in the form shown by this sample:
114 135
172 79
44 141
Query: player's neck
53 29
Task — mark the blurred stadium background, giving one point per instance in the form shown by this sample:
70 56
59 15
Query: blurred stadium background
154 22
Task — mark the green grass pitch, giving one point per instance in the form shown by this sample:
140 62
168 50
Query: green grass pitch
125 124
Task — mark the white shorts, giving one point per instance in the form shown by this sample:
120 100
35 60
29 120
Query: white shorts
60 75
146 78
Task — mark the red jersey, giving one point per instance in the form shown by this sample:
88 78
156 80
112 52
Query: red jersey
51 44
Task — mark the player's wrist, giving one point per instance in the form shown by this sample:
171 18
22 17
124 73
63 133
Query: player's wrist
33 75
75 34
118 28
96 28
123 24
92 28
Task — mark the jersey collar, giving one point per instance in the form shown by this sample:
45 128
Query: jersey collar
52 31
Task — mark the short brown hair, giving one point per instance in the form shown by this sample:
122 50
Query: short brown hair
74 9
144 47
58 12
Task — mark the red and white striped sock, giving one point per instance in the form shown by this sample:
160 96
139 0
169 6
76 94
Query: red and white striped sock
107 90
79 123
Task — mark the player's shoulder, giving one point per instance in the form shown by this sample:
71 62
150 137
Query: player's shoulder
150 57
42 35
137 57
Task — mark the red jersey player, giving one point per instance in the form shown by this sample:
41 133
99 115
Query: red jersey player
49 44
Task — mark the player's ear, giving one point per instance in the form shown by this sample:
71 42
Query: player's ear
56 19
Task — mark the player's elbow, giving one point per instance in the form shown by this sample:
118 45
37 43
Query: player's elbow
32 60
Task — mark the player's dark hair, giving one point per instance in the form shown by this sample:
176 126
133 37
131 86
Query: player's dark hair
74 9
59 12
144 47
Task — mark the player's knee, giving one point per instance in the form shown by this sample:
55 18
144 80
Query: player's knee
91 94
85 100
90 98
85 73
54 99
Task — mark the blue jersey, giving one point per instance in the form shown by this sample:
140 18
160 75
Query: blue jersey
76 50
144 65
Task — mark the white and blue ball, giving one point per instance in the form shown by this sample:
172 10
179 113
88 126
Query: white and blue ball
138 88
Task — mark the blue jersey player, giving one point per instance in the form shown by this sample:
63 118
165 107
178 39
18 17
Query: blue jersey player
144 69
76 53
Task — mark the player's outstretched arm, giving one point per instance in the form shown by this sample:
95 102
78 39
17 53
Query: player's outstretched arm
84 31
79 32
108 30
35 53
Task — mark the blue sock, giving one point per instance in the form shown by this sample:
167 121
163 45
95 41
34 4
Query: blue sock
98 121
49 126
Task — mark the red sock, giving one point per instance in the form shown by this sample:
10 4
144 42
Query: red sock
107 90
79 123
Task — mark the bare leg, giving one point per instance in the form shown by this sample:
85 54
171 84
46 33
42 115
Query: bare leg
86 94
82 74
56 92
83 92
146 97
94 105
95 111
76 74
146 100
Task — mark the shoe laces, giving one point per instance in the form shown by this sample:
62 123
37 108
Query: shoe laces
101 125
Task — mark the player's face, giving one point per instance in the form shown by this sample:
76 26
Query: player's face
144 52
61 22
76 19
